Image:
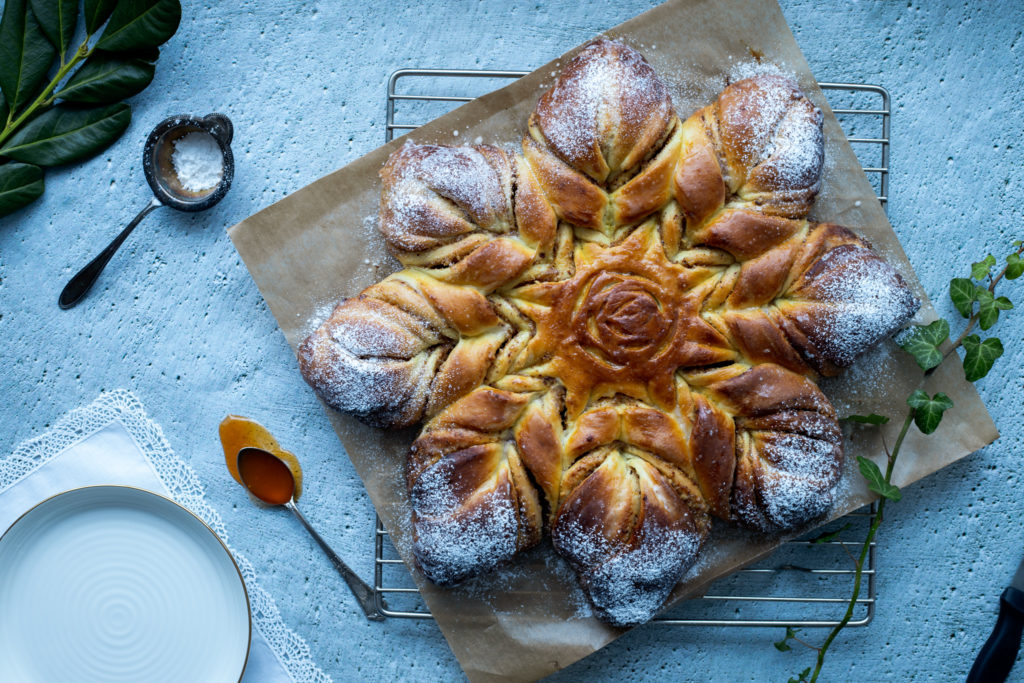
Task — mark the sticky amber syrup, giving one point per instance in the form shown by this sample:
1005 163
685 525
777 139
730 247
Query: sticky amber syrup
266 476
237 432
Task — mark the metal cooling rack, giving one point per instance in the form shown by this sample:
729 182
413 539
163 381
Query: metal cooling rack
804 583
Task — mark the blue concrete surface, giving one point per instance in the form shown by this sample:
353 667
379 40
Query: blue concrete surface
177 319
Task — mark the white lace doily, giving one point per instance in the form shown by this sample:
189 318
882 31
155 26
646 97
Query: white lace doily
184 487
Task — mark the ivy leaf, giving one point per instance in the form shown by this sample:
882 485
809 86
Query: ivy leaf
107 78
963 293
872 419
876 480
97 12
989 307
928 411
980 270
1014 267
58 19
25 54
922 342
987 311
20 184
62 135
782 645
137 24
829 535
980 356
801 677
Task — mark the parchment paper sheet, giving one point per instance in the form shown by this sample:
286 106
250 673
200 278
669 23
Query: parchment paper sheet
310 249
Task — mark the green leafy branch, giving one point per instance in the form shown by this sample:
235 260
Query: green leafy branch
975 299
62 102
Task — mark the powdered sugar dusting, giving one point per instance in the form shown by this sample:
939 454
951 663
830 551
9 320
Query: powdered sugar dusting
427 180
864 300
628 585
363 387
796 154
456 538
607 86
751 69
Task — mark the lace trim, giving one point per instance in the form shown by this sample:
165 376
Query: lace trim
121 405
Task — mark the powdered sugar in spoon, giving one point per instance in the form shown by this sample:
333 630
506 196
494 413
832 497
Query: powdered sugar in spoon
189 166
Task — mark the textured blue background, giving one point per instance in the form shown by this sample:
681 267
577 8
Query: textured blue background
177 319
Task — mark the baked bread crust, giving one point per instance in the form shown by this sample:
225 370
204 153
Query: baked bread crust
615 335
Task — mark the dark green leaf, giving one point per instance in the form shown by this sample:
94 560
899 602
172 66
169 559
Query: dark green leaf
20 184
963 294
1014 267
872 419
58 19
800 677
928 411
146 54
829 535
25 54
107 78
1018 243
876 480
136 24
980 355
980 270
989 307
62 135
96 12
782 645
922 342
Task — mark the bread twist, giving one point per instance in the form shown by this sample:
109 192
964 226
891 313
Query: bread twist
614 335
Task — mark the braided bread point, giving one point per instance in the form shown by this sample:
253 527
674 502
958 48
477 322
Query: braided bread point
813 303
474 505
602 141
614 336
631 519
768 441
403 349
450 209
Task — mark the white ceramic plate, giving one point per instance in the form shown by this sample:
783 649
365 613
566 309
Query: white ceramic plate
112 584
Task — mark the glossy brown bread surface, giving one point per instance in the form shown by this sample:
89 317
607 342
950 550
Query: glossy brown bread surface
614 335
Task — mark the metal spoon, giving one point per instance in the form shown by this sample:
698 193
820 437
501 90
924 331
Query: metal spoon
269 479
156 162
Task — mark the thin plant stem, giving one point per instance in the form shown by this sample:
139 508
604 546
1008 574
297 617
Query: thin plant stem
804 643
880 513
848 553
863 553
44 99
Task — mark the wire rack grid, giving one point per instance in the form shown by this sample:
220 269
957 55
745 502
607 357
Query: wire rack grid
805 582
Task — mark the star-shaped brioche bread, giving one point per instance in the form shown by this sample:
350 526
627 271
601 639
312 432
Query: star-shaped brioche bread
614 335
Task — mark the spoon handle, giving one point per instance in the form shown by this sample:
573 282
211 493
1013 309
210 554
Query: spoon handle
362 592
76 288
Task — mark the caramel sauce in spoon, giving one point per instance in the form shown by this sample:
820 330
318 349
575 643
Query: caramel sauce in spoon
272 475
237 432
266 476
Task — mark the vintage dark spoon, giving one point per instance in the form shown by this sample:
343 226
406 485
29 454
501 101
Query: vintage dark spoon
168 191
